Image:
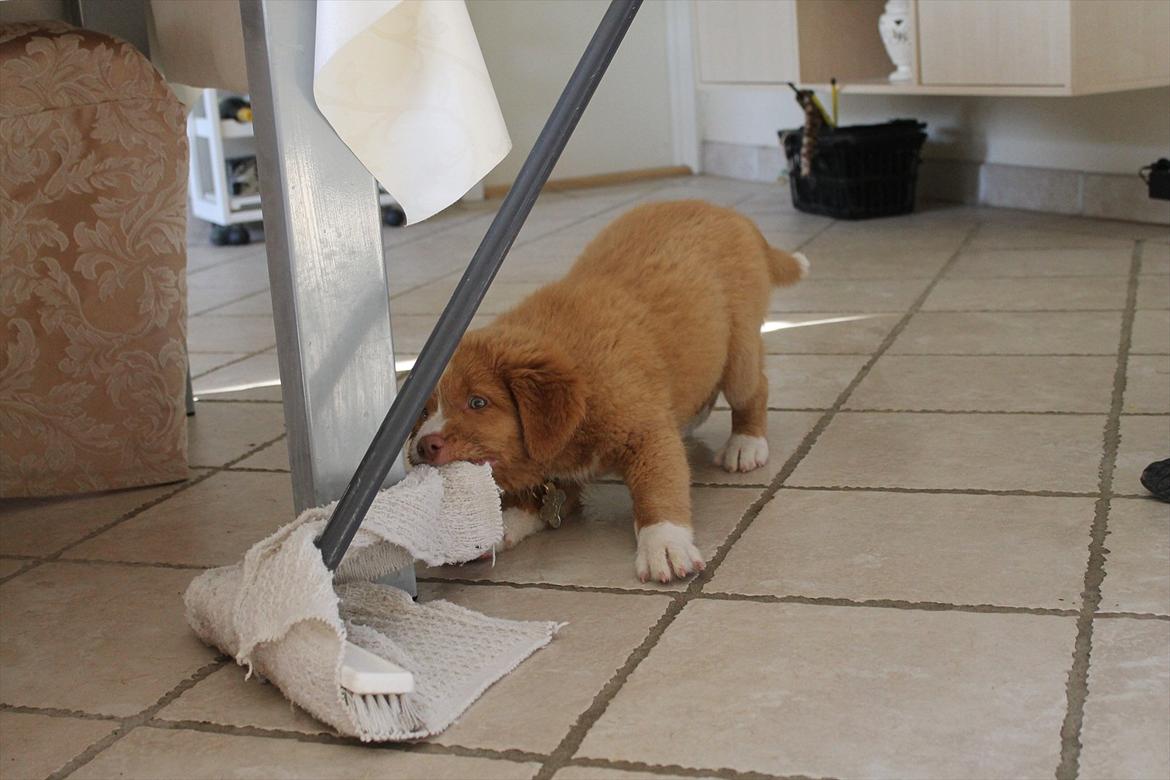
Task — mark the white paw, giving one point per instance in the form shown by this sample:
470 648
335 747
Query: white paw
518 525
742 453
666 551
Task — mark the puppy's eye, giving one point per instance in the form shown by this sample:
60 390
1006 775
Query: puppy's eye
477 402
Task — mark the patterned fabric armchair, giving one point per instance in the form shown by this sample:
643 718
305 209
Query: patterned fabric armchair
93 177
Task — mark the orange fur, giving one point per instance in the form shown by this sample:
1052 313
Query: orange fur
601 370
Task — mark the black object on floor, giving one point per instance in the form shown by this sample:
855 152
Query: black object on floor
857 172
230 235
1156 479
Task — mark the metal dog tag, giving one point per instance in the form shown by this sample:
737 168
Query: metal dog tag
550 508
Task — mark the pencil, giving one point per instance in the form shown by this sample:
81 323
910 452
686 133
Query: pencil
833 87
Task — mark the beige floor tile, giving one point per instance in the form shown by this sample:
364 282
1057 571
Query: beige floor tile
36 746
851 692
838 333
256 305
1151 333
1153 291
1156 258
1043 262
1137 567
1012 333
209 524
596 773
536 705
221 432
1144 439
210 333
1004 294
1147 387
786 430
149 754
410 331
433 297
1003 236
987 383
967 451
1126 718
226 698
914 547
273 457
203 362
856 261
256 378
104 639
806 381
210 299
42 526
597 547
11 566
245 273
857 295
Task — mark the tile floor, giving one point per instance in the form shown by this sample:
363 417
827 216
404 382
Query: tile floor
948 570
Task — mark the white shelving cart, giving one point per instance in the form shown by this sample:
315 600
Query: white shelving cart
214 141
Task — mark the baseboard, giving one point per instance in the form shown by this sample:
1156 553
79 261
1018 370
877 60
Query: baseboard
598 180
1081 193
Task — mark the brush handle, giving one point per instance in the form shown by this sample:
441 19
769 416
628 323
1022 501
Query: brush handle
408 404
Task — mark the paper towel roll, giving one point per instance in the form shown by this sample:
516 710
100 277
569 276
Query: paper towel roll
404 84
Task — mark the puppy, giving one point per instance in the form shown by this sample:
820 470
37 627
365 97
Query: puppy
603 371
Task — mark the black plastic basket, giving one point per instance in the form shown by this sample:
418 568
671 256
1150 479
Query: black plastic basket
857 172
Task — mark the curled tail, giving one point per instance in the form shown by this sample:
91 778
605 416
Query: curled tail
786 268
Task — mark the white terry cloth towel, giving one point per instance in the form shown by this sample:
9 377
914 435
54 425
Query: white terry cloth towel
283 614
404 84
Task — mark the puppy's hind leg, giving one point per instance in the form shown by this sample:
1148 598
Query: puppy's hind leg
746 389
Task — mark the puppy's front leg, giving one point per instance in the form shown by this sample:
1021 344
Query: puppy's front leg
658 476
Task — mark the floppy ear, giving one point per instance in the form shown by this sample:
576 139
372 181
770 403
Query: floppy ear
551 402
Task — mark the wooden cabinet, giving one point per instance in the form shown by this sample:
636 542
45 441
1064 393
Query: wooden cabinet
963 47
999 43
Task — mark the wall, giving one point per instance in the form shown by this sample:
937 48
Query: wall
32 10
531 48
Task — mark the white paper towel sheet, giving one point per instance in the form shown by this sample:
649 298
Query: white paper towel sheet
404 84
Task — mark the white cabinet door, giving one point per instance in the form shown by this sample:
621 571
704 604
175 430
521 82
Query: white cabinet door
746 41
994 42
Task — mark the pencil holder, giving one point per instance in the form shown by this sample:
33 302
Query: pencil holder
857 172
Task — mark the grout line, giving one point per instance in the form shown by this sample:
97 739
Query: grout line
137 564
900 604
946 491
56 712
232 362
1077 686
573 739
550 586
218 306
143 507
1131 616
134 721
202 400
678 770
830 601
326 738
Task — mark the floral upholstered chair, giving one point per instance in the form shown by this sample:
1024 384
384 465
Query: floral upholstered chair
93 176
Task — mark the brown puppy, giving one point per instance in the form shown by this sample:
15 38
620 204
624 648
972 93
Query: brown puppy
602 371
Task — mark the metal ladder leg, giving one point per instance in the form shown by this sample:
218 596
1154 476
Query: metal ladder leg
323 236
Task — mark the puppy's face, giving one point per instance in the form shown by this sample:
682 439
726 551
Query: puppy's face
505 401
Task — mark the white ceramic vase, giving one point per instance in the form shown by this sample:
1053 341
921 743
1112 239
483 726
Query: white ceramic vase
894 26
